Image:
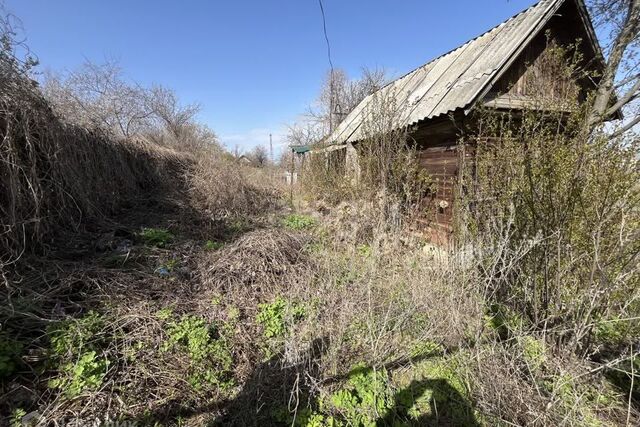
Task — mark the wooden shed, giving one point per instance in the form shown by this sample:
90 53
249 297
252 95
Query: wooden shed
503 68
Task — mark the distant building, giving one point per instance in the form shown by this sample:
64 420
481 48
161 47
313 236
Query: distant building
245 160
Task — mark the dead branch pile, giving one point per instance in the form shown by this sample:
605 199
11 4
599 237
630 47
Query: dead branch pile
259 260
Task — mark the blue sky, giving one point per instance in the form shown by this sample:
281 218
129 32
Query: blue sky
252 65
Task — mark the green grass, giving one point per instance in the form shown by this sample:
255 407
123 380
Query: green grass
298 222
158 237
212 245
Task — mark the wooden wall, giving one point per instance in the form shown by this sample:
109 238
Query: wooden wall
442 165
437 152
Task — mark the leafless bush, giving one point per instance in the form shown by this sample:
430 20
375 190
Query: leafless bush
166 108
377 307
573 199
98 96
500 389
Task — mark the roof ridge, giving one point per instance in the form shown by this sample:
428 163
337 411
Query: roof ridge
536 4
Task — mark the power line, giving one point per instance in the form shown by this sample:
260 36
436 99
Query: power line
331 83
326 38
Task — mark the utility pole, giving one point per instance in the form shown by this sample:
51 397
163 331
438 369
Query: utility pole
331 102
271 148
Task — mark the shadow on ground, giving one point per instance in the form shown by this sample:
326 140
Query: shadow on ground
275 391
278 395
447 407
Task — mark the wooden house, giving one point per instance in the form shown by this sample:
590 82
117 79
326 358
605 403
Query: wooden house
503 68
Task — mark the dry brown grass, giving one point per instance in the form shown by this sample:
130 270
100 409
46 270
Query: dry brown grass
56 177
222 188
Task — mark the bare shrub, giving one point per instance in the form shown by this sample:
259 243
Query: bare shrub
386 171
387 158
165 108
501 388
577 196
98 96
377 307
259 156
544 179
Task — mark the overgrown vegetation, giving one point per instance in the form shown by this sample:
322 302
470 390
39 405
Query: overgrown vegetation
191 294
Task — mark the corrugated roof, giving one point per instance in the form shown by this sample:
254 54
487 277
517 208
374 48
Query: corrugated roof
454 80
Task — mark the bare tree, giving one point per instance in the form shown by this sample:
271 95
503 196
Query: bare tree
260 156
97 95
166 108
618 21
305 132
338 96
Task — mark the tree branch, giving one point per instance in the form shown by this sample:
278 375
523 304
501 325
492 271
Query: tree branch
627 80
625 128
625 99
625 37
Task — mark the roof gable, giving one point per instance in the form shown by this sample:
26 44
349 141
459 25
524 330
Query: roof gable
457 79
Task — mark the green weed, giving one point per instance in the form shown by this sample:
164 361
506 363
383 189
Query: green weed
207 347
158 237
306 417
87 373
76 345
164 313
534 351
434 390
10 351
298 222
274 316
16 417
364 251
616 332
75 335
366 397
426 349
213 245
582 400
503 320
